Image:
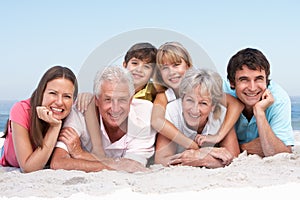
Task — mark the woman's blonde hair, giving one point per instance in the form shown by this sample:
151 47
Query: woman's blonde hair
210 83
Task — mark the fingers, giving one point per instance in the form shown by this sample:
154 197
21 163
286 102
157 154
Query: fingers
200 139
83 100
46 115
222 154
42 112
266 94
175 159
67 135
175 162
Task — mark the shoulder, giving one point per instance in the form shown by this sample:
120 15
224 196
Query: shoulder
141 108
20 113
174 105
21 106
279 94
174 110
141 103
170 95
25 104
227 89
74 118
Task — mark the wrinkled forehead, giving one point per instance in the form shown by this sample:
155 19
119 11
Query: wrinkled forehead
116 88
199 90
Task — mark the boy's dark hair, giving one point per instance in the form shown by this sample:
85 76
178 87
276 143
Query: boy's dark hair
252 58
143 51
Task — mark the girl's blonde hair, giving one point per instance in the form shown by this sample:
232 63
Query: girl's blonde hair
172 52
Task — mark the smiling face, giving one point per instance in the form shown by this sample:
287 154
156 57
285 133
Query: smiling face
196 106
141 72
58 97
114 103
172 73
249 85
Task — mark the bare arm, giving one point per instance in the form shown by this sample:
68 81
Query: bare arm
30 159
270 143
71 139
211 157
165 127
75 158
234 109
61 159
85 103
253 147
93 126
230 142
165 148
78 159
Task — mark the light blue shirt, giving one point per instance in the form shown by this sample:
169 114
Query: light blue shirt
278 115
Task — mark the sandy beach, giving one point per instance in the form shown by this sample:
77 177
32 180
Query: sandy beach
276 176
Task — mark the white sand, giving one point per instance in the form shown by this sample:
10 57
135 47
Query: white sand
248 176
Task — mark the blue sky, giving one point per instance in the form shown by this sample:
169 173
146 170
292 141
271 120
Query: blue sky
36 35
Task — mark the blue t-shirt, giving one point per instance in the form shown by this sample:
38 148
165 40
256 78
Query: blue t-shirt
278 115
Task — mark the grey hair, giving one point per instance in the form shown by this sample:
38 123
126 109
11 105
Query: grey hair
116 74
210 82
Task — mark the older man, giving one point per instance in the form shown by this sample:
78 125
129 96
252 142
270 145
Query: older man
123 138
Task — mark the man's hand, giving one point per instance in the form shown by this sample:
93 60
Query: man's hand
253 147
69 136
266 101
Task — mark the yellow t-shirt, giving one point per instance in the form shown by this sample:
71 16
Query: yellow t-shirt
147 93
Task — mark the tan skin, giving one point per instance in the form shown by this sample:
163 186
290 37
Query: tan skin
78 159
172 75
111 100
234 108
58 96
211 157
251 89
196 108
141 72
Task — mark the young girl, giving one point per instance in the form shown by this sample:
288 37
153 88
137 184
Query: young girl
172 61
35 123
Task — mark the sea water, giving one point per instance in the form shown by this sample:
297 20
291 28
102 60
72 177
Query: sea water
295 100
5 106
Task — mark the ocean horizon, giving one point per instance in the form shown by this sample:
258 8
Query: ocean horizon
5 106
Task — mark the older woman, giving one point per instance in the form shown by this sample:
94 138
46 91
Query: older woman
198 111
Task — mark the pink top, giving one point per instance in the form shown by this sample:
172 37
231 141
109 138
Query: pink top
19 113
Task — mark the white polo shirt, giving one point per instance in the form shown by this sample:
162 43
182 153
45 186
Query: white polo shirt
136 144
